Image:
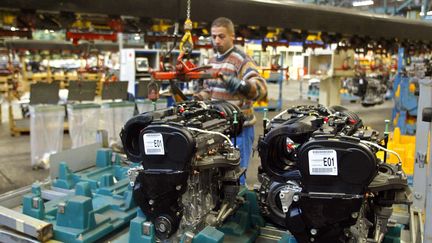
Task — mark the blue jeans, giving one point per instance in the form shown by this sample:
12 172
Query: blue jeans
244 143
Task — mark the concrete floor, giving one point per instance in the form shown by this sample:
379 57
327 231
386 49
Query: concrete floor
16 171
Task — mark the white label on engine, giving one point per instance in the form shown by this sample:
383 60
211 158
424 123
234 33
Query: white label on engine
153 144
323 162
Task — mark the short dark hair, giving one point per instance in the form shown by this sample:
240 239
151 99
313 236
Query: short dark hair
224 22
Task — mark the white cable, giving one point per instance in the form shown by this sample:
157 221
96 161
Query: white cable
382 148
211 132
280 114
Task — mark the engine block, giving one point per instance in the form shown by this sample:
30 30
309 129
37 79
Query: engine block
189 174
321 179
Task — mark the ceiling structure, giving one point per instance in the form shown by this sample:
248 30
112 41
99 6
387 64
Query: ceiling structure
265 13
390 7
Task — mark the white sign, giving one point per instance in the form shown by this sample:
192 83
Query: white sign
323 162
153 144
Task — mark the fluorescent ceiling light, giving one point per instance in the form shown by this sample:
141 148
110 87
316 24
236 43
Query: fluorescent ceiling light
362 3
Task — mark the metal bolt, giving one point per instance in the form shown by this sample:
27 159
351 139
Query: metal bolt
313 232
146 226
189 237
354 215
296 198
178 188
312 239
162 228
417 195
35 202
151 202
61 207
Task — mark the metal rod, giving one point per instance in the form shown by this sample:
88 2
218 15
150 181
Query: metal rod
8 235
227 213
428 208
386 137
221 212
424 8
235 124
36 228
421 165
265 121
412 225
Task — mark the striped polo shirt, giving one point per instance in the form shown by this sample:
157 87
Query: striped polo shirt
236 63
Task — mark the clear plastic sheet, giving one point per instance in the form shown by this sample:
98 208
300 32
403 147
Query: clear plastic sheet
113 117
83 120
46 133
147 105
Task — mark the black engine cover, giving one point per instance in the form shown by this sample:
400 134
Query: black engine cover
178 147
356 166
162 201
328 216
335 174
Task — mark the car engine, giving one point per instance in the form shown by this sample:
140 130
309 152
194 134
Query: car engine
321 179
189 173
371 90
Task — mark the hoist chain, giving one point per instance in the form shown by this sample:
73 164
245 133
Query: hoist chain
188 10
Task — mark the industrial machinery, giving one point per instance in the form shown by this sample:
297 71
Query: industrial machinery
405 92
189 173
371 90
321 180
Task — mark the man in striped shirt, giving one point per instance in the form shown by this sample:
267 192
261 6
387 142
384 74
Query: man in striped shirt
240 82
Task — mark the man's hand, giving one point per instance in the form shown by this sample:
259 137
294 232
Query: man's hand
232 83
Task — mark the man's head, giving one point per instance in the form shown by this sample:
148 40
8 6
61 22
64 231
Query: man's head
222 33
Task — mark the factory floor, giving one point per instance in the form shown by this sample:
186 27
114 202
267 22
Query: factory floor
15 165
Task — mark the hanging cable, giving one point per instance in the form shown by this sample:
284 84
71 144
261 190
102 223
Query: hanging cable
175 41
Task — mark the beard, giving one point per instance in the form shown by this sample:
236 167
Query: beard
219 49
